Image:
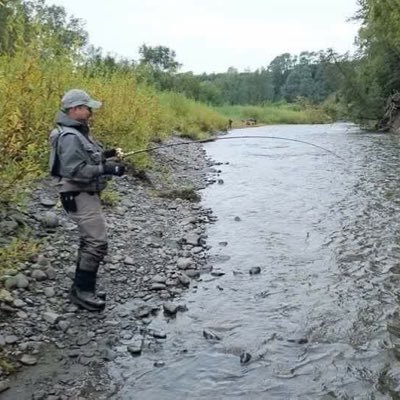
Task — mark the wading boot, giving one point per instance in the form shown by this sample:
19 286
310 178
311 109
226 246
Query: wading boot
83 291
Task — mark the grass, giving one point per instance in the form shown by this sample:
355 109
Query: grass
271 114
19 250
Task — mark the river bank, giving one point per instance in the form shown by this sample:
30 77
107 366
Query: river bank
157 250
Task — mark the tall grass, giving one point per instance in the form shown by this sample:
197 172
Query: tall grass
276 114
133 115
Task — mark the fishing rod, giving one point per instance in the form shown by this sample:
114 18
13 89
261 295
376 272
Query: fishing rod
132 153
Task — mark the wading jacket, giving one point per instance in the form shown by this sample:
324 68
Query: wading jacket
75 157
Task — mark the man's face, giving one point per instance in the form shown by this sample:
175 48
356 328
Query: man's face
80 113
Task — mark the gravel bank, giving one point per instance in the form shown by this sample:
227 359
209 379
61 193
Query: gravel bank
157 250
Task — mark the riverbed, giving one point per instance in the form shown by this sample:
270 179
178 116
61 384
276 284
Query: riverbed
324 232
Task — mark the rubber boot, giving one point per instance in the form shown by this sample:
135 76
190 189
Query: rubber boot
83 291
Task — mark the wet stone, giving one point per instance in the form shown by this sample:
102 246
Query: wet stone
192 273
217 273
136 348
210 335
184 280
159 334
254 270
159 364
245 358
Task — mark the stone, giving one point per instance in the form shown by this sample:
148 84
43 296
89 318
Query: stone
64 325
192 273
210 335
136 347
170 308
45 201
245 358
19 281
51 317
157 286
27 359
184 280
50 220
159 334
159 279
39 275
11 339
192 239
4 385
5 296
237 219
254 270
22 281
159 363
19 303
51 273
184 263
49 291
129 261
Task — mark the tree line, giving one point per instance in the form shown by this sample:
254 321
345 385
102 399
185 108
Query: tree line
360 83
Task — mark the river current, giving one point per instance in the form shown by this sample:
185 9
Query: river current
325 232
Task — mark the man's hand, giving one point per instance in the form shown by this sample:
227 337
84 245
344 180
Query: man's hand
111 168
119 153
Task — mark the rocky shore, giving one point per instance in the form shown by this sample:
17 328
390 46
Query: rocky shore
157 250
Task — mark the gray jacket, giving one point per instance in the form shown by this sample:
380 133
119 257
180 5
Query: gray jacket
75 157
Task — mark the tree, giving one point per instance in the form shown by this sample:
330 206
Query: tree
160 58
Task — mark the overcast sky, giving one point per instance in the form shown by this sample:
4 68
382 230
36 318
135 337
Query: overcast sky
212 35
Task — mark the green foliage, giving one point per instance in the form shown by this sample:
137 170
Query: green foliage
20 249
159 58
187 193
277 113
375 73
190 118
109 197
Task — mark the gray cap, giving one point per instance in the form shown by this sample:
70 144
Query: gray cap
77 97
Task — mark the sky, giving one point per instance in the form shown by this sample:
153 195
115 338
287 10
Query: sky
213 35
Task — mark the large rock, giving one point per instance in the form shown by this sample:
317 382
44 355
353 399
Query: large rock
50 220
19 281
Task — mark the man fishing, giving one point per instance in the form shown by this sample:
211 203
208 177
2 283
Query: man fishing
82 167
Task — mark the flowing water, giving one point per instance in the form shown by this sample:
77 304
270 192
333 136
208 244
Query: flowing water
326 234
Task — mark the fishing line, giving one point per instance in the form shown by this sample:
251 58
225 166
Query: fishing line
132 153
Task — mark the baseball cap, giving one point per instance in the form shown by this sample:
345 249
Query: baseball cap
77 97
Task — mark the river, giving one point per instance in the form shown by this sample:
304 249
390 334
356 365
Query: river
325 233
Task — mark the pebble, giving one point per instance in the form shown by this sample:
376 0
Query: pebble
245 357
4 385
255 270
39 275
210 335
11 339
51 317
159 364
27 359
159 334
